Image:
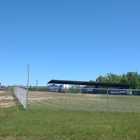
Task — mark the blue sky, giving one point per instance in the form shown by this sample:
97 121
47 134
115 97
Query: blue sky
68 40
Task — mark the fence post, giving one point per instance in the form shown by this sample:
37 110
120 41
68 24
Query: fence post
66 100
107 99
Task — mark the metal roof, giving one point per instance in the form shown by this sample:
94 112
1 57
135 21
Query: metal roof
88 83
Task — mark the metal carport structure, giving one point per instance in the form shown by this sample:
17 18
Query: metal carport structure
69 82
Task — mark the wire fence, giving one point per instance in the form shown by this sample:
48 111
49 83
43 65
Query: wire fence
21 94
86 99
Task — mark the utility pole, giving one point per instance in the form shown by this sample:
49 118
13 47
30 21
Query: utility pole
28 76
37 84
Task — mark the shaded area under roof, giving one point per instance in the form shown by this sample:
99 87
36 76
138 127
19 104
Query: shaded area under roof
88 83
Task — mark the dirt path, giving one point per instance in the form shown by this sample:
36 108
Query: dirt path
6 100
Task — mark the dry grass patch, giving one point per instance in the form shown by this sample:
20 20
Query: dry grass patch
6 100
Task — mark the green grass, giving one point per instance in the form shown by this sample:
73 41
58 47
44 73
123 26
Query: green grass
39 123
18 124
84 102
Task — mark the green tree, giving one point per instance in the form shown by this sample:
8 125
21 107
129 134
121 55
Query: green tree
113 78
123 79
133 78
91 86
128 78
101 79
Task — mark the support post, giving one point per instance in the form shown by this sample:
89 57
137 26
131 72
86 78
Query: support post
66 100
107 99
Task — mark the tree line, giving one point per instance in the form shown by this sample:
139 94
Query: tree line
132 78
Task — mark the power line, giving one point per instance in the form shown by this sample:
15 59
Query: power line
33 75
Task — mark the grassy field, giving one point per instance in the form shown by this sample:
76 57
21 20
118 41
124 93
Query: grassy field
58 124
84 102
